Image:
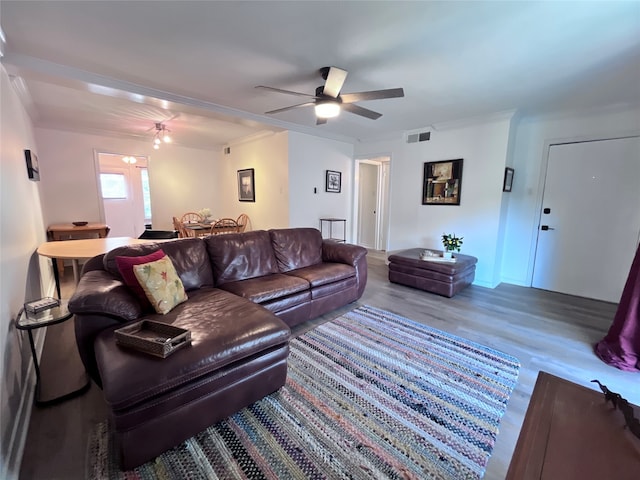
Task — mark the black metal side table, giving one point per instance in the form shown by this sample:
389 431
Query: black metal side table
32 321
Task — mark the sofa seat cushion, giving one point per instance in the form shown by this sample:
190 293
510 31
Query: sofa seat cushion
324 273
267 288
224 329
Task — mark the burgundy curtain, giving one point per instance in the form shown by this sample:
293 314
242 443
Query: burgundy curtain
621 346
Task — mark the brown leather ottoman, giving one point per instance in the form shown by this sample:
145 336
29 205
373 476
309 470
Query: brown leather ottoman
443 278
238 355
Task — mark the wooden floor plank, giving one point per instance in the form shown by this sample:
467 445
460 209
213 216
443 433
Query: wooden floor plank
544 330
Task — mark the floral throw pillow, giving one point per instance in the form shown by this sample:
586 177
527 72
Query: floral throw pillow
161 284
125 267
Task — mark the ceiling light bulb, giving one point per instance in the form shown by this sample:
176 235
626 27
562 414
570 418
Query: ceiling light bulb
166 138
327 110
157 141
156 146
132 160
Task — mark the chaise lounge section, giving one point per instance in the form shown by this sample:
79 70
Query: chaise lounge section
245 291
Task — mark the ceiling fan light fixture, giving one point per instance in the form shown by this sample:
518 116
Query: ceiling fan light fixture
161 135
327 109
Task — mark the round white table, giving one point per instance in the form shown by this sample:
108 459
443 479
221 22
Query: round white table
76 250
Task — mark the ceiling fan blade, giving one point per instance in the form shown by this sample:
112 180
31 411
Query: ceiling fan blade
307 104
288 92
320 121
372 95
364 112
334 82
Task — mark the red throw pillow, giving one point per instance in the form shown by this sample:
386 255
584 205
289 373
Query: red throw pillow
125 267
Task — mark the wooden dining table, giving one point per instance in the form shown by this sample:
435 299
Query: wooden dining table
204 229
76 250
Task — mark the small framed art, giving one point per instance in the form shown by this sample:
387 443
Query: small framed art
508 179
333 182
246 185
33 169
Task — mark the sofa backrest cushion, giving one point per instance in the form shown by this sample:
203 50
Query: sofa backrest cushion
296 247
188 255
239 256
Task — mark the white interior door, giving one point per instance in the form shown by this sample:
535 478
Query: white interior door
122 195
368 205
590 222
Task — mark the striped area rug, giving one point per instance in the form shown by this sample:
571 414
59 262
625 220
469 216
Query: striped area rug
368 395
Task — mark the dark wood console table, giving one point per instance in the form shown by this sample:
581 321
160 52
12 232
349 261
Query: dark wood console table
569 432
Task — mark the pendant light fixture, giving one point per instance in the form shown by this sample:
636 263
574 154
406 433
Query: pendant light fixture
161 135
129 160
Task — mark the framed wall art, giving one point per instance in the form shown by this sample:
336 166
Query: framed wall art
246 185
508 179
333 182
33 169
442 182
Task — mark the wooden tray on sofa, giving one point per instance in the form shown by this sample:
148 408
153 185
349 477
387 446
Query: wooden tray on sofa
155 338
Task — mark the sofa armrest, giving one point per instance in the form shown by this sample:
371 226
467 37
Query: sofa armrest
101 293
353 255
95 263
99 302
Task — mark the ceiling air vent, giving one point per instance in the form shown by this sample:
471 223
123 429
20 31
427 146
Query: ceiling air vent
418 137
227 150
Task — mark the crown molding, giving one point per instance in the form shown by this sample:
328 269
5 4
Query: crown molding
470 121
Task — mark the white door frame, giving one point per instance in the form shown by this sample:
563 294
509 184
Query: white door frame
382 219
96 163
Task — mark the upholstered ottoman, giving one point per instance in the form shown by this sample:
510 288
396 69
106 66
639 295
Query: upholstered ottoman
443 278
238 355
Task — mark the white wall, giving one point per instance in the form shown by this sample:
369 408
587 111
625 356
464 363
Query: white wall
268 156
21 231
483 145
181 179
532 140
309 159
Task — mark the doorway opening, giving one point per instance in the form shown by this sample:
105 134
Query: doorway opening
125 198
371 203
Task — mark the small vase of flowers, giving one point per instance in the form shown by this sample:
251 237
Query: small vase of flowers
450 243
205 213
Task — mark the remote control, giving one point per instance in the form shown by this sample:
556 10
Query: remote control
41 305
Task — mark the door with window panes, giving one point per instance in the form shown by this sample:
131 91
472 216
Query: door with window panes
125 195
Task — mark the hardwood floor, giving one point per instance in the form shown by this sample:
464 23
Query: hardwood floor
544 330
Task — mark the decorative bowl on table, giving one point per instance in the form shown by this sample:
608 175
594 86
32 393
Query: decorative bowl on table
79 224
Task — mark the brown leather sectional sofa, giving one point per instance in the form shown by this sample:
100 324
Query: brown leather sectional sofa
245 292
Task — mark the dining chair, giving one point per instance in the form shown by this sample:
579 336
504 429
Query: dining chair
224 225
183 232
191 217
243 221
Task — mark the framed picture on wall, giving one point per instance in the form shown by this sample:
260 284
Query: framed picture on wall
508 179
246 185
442 182
333 181
33 169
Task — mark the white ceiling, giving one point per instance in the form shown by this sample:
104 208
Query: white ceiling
116 68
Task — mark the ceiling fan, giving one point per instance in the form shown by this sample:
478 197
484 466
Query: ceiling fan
328 101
